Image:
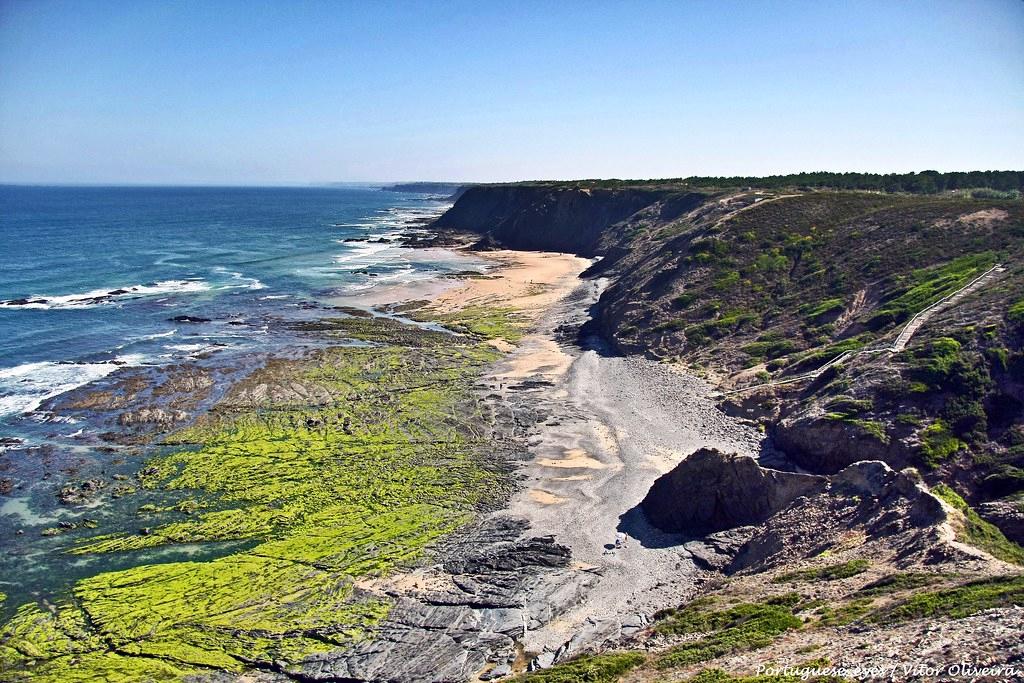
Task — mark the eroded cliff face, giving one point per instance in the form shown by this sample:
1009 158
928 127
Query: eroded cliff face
759 286
557 218
755 287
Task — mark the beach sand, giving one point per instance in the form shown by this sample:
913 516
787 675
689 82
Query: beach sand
614 425
529 281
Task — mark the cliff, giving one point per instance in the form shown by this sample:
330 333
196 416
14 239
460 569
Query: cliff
559 217
757 286
907 452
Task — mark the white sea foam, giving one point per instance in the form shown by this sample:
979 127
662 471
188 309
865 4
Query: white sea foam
191 350
24 387
239 280
99 297
361 256
145 338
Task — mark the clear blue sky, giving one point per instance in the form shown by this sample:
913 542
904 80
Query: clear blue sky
281 92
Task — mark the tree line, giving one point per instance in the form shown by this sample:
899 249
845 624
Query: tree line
925 182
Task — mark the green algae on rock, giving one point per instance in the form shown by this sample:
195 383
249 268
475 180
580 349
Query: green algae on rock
343 465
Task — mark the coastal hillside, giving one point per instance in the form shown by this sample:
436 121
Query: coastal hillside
877 339
762 286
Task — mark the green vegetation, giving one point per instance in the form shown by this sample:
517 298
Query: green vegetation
849 405
989 193
483 322
895 583
943 367
846 613
729 321
925 286
684 300
746 626
344 465
603 668
934 362
826 307
956 603
872 428
978 532
769 349
831 573
1016 312
938 443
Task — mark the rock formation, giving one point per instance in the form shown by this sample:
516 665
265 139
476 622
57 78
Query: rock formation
712 491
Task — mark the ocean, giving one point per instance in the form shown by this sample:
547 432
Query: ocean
99 281
95 278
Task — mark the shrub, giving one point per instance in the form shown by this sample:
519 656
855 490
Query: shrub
769 349
828 306
744 627
684 300
726 281
1016 312
894 583
938 443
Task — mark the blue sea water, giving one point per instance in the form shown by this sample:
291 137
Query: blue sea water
92 277
102 283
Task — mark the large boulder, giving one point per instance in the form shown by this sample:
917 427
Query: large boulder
712 491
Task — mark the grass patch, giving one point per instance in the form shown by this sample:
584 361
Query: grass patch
831 573
822 309
1015 313
769 349
684 300
845 614
956 603
896 583
938 443
872 428
603 668
978 532
743 627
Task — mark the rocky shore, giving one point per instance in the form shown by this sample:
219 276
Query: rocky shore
466 481
351 489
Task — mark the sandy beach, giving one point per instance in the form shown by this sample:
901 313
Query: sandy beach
613 426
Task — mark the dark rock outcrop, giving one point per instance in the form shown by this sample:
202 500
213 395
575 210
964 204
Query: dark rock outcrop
826 446
869 498
712 491
493 586
188 319
751 516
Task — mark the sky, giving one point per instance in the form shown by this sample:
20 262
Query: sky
251 92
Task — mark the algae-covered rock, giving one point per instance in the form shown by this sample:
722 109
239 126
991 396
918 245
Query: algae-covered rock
326 472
